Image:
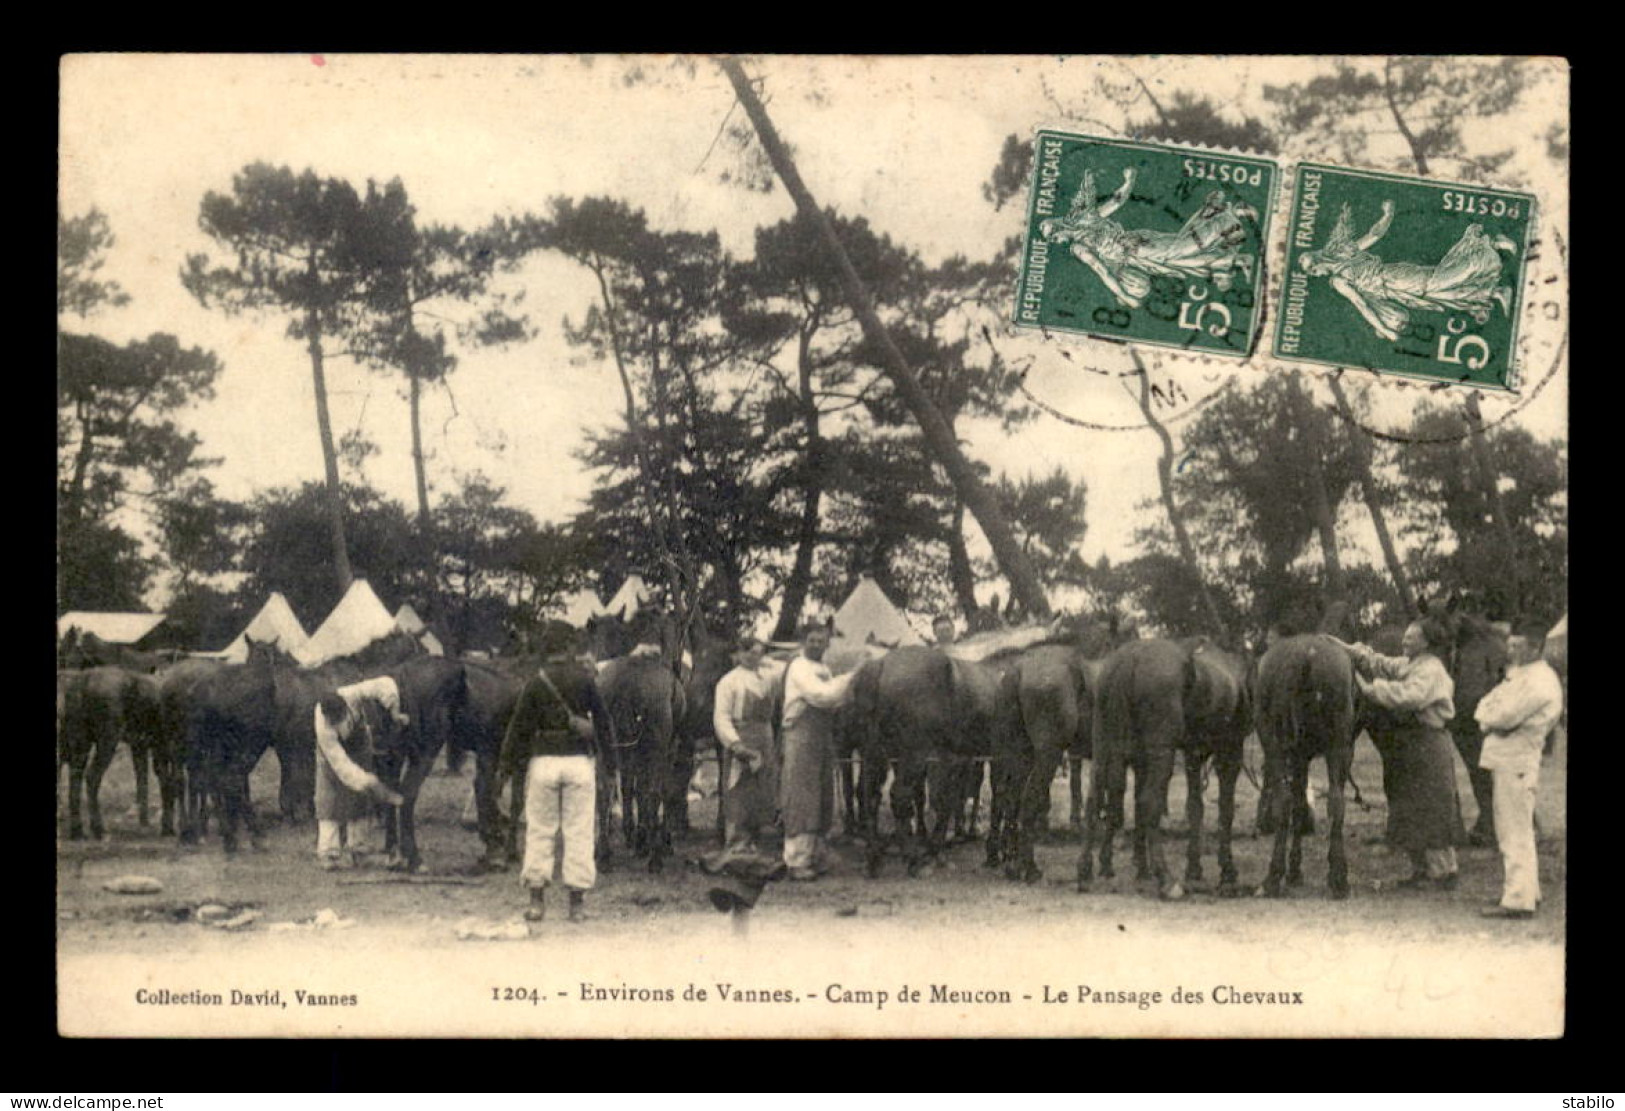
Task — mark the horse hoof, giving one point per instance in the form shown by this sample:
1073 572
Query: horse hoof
1338 891
1228 891
1271 890
1173 893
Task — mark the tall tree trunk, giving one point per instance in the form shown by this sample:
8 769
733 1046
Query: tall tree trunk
330 457
960 572
1165 480
1320 505
1480 448
81 464
420 472
799 582
1024 581
1373 503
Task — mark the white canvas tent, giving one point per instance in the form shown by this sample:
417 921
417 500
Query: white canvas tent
276 623
868 617
1557 644
631 597
114 628
408 622
581 607
358 620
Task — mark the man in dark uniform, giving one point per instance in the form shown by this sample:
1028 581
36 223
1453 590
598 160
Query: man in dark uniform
552 736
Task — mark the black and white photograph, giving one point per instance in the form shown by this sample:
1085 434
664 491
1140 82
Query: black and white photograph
811 546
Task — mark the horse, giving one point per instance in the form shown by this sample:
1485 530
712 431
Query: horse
1139 720
931 713
1304 707
232 719
101 708
492 691
1218 716
176 685
298 689
1477 662
434 694
1051 696
645 701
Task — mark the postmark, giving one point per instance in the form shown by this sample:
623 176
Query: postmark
1404 276
1146 242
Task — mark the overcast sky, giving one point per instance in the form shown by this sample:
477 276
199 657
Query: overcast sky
906 143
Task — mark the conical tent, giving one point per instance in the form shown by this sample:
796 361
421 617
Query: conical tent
358 620
867 616
408 622
1557 644
275 623
631 597
581 607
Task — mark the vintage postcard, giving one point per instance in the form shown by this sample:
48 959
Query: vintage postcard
778 546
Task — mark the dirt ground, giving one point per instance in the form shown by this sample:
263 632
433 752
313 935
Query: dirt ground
284 885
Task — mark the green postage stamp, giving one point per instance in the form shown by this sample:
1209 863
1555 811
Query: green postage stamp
1146 242
1405 276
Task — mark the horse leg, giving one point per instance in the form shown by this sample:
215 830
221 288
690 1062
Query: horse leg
1300 805
405 815
1139 843
724 766
1278 786
1075 787
1114 782
100 760
1228 766
948 783
1193 761
871 781
389 773
1337 865
486 786
1033 812
1150 801
165 769
518 788
76 789
141 761
1091 831
905 799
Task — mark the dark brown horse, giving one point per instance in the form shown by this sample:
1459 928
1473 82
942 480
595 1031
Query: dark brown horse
232 719
645 702
929 713
102 708
1139 721
1218 717
434 696
1304 708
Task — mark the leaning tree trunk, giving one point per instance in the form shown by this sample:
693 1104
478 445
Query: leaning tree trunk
419 470
1024 581
1165 480
1320 504
330 457
1487 478
960 572
1373 503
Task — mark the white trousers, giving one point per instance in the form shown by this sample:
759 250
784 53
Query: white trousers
357 836
560 803
804 850
1515 835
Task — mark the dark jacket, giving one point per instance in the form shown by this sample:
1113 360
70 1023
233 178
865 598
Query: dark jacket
541 724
